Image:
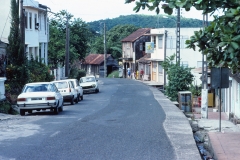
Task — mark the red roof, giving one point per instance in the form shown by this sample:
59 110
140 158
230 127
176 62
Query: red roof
95 58
137 34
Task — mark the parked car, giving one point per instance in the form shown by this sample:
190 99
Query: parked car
78 89
67 90
40 96
89 84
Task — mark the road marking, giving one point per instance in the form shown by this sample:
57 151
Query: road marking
54 134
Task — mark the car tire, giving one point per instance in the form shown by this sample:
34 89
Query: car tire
81 97
30 111
72 101
61 108
22 112
76 100
55 110
97 90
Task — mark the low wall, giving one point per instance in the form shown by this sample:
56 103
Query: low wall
2 88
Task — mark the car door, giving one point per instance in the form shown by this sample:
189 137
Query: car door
73 90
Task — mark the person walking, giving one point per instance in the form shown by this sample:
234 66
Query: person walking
141 74
129 72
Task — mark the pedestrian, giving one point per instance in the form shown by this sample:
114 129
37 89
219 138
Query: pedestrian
141 74
129 72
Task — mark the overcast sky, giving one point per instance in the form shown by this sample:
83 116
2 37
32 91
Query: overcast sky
87 10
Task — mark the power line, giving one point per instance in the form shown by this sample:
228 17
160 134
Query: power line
5 23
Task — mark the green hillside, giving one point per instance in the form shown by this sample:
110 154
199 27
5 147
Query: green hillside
146 21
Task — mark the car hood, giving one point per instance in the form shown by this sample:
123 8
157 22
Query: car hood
88 83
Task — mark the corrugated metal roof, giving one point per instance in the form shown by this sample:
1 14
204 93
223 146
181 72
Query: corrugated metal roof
137 34
95 58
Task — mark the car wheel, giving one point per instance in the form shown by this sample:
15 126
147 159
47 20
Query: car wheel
72 101
55 110
61 108
22 112
97 90
81 98
30 111
76 100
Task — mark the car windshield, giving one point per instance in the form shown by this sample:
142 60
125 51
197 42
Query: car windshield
37 88
61 85
87 79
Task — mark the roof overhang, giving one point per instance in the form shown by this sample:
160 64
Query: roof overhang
126 59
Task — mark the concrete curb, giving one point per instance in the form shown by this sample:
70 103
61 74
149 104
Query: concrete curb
177 128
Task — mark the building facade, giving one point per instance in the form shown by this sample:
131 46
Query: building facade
36 30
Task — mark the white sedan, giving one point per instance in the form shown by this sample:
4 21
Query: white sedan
89 84
40 96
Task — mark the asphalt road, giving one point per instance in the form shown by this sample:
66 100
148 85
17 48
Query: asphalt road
121 122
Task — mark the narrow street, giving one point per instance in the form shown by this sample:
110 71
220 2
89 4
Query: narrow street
122 121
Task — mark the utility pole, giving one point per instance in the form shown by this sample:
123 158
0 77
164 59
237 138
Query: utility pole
105 52
204 96
67 49
178 37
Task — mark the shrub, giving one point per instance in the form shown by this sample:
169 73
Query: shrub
114 74
77 74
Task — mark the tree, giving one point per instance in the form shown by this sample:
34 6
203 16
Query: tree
179 77
16 70
79 36
113 38
220 41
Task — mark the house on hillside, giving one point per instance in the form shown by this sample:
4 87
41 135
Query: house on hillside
94 64
36 30
133 48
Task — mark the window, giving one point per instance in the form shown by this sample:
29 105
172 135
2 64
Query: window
26 20
154 41
35 21
39 21
184 63
171 42
30 20
183 41
45 24
199 64
141 47
160 42
160 68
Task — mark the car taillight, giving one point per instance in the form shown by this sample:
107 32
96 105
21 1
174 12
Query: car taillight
50 98
21 99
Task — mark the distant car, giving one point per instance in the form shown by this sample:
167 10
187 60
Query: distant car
66 88
40 96
89 84
78 89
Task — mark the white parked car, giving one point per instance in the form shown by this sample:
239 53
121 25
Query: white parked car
89 84
40 96
78 89
67 90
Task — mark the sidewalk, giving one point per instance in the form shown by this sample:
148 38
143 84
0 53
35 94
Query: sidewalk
224 145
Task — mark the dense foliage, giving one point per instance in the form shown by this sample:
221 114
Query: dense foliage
179 78
146 21
78 44
220 41
113 40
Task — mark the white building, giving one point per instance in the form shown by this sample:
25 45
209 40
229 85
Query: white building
165 45
36 30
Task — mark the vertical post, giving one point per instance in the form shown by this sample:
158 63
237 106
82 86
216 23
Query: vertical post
165 55
178 37
67 50
220 99
204 104
105 52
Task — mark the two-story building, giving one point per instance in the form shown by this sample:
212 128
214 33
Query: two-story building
164 42
133 48
36 30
